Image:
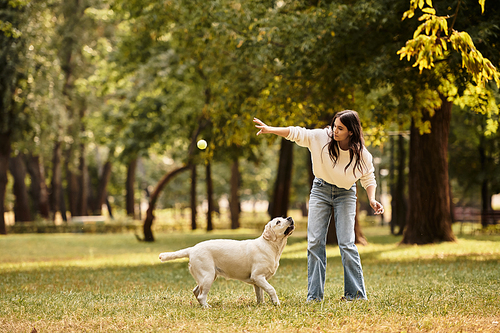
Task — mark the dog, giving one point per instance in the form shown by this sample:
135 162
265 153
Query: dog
253 261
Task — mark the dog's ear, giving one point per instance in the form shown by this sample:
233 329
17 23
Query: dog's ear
269 233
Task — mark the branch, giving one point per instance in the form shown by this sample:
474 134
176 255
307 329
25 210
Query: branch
455 15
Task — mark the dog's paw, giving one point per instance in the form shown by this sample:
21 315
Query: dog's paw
162 257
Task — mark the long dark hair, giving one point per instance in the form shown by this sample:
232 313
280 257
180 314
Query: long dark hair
351 121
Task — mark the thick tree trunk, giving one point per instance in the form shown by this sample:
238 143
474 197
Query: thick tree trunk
331 237
281 196
210 199
39 191
429 218
17 169
4 167
234 202
129 199
148 222
193 197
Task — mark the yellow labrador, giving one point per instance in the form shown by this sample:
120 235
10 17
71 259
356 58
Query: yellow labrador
253 261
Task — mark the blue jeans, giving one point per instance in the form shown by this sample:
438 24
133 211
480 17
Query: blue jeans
323 198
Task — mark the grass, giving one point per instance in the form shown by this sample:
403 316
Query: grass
112 283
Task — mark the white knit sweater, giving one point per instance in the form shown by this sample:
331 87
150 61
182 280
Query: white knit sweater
315 140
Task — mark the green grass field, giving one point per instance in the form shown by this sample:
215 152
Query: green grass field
113 283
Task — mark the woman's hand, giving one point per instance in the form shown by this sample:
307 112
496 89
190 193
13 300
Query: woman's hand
260 125
281 131
377 207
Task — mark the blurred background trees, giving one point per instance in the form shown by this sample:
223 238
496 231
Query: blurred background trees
101 100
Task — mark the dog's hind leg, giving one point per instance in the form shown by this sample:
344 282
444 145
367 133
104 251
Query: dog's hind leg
196 291
201 291
261 282
204 277
259 292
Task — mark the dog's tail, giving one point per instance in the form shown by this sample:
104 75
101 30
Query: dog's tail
166 256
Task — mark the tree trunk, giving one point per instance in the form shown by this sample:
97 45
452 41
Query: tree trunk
62 204
398 202
55 185
210 191
148 222
234 202
331 236
71 184
281 196
102 192
129 199
485 192
21 207
39 192
392 187
83 183
108 205
193 197
429 218
4 167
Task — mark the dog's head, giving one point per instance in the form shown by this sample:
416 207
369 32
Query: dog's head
278 228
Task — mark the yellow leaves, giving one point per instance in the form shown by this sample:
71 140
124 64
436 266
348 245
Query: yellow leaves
428 10
427 45
481 3
426 50
430 39
481 68
408 14
419 4
240 43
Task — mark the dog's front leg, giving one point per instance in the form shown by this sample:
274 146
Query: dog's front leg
261 282
259 292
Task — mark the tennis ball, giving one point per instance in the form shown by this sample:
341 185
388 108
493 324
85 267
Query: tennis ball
202 144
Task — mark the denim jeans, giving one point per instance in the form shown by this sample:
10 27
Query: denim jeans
323 198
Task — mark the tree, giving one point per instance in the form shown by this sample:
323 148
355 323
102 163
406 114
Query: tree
18 70
38 190
429 210
17 168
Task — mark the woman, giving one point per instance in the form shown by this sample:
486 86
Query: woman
339 159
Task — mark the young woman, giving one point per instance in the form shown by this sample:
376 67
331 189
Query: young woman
339 159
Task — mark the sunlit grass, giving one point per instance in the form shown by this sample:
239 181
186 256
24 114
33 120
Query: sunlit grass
111 283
